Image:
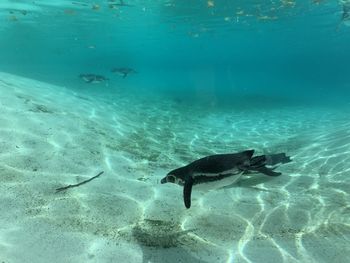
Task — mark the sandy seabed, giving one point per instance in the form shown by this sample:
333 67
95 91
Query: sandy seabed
53 136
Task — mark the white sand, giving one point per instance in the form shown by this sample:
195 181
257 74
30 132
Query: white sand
51 136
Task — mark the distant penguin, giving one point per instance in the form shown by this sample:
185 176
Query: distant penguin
92 78
121 3
214 169
124 72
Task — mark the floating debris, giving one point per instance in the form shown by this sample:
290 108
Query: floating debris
69 12
267 17
78 184
13 18
289 3
210 3
80 4
95 7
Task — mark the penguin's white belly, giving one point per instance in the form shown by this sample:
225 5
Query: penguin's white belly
213 185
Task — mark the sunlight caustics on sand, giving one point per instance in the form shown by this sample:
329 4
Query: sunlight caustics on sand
53 136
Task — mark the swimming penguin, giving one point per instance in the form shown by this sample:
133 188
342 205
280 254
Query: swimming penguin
222 167
124 72
92 78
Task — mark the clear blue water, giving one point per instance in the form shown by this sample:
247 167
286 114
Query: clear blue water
211 77
300 49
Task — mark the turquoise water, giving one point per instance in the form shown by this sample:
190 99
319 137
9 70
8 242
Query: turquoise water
207 77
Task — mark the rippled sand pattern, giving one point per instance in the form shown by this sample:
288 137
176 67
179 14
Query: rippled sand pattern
51 137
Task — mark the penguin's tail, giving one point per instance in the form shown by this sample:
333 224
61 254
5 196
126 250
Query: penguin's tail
258 163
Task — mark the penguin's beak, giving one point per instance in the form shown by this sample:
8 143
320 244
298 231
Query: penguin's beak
164 180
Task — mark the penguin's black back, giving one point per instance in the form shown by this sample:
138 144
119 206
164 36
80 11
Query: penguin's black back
219 163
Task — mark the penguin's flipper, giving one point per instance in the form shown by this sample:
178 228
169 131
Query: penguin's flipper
187 191
267 171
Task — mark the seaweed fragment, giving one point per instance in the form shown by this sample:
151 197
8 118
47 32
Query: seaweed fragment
78 184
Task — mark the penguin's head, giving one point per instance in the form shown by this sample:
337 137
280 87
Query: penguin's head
176 176
168 179
171 178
